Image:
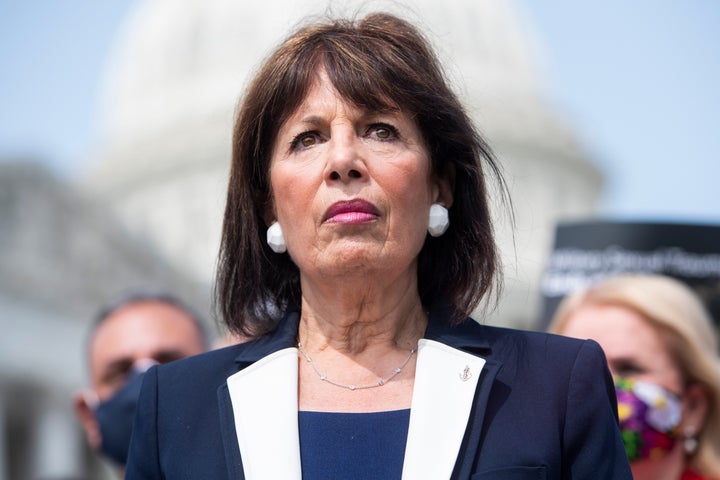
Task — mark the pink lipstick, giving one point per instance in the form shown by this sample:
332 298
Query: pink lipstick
351 212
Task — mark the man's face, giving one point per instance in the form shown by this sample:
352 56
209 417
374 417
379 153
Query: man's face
141 331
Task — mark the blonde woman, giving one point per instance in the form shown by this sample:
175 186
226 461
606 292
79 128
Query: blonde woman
662 351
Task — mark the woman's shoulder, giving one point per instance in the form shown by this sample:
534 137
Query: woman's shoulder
477 334
212 366
498 335
223 362
508 343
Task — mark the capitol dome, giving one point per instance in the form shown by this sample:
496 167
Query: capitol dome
179 67
180 59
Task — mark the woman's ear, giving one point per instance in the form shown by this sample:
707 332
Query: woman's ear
695 403
269 216
445 186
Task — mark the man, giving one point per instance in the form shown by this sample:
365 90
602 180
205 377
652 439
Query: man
128 337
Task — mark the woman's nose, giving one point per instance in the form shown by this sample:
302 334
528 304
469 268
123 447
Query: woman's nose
345 162
351 173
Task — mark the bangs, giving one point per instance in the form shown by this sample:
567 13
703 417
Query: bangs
363 80
362 69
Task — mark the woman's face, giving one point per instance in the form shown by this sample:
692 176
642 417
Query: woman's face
352 188
636 350
632 346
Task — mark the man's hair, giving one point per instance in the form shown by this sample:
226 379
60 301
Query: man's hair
135 297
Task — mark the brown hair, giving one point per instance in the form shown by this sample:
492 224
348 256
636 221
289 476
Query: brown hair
378 62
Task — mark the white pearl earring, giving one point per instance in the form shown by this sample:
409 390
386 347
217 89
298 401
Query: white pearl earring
438 220
691 442
275 238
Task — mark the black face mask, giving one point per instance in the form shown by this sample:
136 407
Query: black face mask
115 417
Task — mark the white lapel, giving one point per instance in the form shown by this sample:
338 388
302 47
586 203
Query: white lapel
264 400
445 384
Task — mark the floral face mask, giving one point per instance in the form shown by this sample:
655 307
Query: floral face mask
649 418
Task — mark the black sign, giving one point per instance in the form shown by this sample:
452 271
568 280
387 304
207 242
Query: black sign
586 252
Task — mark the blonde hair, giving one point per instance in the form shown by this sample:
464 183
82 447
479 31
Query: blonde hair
673 308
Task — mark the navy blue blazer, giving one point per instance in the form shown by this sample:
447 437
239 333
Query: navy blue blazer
488 403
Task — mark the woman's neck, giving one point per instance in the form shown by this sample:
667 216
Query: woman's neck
668 467
353 334
351 320
343 347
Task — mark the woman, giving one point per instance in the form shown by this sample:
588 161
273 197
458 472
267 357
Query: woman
357 239
661 347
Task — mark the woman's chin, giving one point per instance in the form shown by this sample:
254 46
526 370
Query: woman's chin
354 259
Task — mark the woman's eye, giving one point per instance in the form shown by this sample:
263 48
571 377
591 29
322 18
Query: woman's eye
382 131
304 140
627 368
307 141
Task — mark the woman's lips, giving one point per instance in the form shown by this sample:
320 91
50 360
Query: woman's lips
349 212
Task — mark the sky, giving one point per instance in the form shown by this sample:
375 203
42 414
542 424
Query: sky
638 81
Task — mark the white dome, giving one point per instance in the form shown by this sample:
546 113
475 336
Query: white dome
178 60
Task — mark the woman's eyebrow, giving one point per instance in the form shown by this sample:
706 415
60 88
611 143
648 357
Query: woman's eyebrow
311 120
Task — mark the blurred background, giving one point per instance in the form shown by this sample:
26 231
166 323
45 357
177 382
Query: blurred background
115 125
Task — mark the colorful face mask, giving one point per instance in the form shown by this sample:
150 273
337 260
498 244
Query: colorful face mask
649 418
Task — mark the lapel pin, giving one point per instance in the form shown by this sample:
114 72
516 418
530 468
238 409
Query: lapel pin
466 374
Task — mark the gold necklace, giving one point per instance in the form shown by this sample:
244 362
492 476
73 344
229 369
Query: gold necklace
379 383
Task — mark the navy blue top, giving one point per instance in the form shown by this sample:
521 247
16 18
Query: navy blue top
353 446
545 406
